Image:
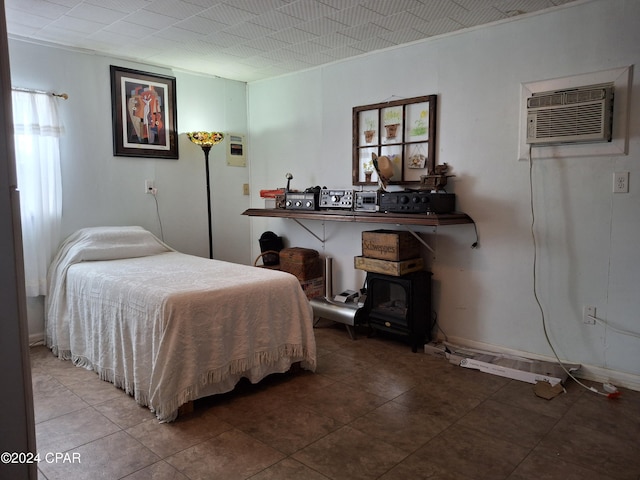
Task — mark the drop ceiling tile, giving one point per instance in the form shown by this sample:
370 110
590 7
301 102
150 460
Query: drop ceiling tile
321 26
227 14
360 32
478 4
307 9
150 19
355 16
248 30
385 7
479 17
242 51
126 6
15 29
372 44
524 6
57 34
439 27
174 8
130 29
97 14
341 4
344 52
201 25
25 19
38 8
437 9
223 39
108 38
66 3
275 20
257 6
400 21
77 25
406 35
306 48
319 58
293 35
333 40
266 43
177 34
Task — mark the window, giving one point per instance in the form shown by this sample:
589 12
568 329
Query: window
37 132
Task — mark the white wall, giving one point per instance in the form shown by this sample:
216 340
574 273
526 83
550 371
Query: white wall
587 236
101 189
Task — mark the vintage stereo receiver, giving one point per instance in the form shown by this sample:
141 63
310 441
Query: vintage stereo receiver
416 201
301 200
342 199
366 202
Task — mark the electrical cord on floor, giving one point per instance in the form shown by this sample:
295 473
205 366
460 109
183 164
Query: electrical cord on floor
612 391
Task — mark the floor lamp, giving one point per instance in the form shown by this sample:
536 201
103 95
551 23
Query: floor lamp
206 140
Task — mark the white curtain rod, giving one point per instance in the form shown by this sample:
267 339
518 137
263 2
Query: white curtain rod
31 90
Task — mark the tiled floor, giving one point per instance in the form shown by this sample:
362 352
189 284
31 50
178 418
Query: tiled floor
373 410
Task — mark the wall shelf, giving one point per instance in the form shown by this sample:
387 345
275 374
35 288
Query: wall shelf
434 220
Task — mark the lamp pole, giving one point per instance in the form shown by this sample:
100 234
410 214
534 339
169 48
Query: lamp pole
206 149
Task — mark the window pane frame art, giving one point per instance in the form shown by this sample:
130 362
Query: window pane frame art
403 130
144 114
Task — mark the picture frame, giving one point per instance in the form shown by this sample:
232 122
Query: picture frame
402 130
144 114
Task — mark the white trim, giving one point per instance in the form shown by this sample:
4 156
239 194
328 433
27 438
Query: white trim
619 145
586 372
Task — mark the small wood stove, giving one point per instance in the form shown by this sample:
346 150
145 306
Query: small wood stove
400 305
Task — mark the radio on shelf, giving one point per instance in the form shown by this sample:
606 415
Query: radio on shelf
416 201
341 199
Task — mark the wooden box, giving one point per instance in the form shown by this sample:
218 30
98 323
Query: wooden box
304 263
390 245
313 288
387 267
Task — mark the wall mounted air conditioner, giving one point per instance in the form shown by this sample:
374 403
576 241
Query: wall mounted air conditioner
576 115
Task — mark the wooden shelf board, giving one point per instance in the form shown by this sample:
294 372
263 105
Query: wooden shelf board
455 218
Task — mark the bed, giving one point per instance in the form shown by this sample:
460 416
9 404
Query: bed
168 327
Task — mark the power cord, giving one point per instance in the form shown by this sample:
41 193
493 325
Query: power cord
154 192
612 391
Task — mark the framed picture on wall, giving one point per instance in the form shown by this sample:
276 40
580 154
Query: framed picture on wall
144 114
403 130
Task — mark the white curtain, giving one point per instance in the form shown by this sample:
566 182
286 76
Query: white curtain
37 131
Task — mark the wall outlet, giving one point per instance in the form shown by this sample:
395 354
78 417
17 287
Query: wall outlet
621 182
245 189
588 314
149 186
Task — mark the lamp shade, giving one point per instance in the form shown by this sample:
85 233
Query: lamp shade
205 139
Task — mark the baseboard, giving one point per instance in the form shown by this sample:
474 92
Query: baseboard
36 339
586 372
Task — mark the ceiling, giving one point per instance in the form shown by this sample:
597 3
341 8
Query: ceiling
249 40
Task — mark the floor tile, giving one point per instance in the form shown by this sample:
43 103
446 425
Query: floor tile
52 399
166 439
288 469
473 454
112 456
157 471
290 427
72 430
348 454
232 455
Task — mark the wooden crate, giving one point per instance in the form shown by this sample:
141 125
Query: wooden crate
394 245
313 288
387 267
304 263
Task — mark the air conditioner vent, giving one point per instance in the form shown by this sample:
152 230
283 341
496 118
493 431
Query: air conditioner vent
570 116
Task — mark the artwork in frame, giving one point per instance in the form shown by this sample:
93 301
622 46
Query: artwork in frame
402 130
144 114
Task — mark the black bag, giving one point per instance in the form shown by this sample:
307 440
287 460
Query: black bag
270 245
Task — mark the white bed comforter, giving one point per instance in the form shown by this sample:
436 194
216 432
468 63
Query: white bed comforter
168 327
